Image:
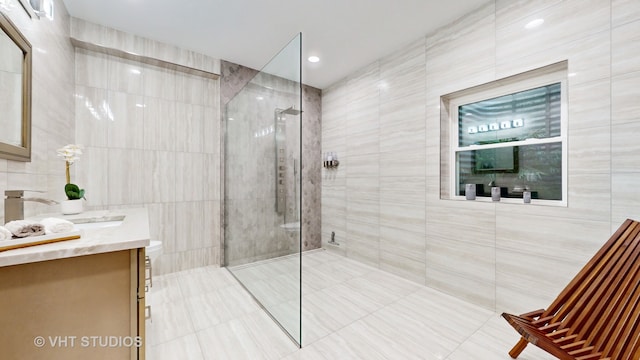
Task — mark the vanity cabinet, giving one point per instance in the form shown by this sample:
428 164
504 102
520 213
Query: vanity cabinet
81 307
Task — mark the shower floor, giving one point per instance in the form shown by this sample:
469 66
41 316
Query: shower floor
350 311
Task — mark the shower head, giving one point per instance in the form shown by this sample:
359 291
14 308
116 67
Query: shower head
289 111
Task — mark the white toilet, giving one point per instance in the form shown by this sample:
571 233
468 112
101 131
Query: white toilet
154 250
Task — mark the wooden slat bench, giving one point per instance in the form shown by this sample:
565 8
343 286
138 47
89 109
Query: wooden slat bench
597 316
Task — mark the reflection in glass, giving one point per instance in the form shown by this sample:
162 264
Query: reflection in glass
10 91
536 168
15 93
529 114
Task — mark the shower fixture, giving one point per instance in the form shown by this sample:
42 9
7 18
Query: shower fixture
291 110
281 157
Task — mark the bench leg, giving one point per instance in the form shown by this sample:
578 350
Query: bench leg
518 348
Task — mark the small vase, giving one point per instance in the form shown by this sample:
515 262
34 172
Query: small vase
470 191
495 193
70 207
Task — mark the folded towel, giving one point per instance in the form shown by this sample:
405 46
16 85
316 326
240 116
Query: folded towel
56 226
5 234
23 228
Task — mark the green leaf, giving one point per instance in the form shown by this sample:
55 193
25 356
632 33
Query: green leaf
73 192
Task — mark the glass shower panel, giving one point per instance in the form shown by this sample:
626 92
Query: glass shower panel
262 243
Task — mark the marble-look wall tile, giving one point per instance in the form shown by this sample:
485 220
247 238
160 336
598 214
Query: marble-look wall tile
590 105
564 23
161 142
467 243
189 135
125 76
589 59
573 240
401 123
124 189
625 147
590 150
402 189
410 217
311 167
469 289
162 166
90 173
211 180
92 68
403 242
362 240
190 89
624 11
508 11
471 37
159 124
160 83
92 118
189 226
589 197
625 47
624 200
126 127
119 40
163 215
624 105
526 281
211 128
399 265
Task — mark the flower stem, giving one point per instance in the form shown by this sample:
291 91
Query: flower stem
67 172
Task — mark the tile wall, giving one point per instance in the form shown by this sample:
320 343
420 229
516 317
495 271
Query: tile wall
152 138
52 107
384 202
252 227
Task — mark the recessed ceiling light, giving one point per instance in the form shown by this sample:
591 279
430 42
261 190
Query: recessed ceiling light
259 98
534 23
313 59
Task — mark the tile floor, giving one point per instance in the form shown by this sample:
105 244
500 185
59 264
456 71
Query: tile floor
350 311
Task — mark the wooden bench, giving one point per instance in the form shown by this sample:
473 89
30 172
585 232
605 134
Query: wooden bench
597 316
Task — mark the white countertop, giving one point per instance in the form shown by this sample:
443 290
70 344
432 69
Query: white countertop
131 234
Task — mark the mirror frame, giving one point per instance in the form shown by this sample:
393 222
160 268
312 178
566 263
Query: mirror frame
8 151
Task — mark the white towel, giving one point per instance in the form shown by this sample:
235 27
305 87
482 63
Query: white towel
23 228
56 225
5 234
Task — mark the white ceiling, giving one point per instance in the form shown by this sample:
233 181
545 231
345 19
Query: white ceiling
345 34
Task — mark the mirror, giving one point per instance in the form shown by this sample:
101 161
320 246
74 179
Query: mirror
15 93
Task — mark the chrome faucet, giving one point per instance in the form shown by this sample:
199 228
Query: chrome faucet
14 204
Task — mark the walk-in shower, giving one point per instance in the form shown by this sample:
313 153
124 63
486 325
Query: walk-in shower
262 186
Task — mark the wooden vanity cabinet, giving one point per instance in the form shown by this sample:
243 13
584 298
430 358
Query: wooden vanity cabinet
83 307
